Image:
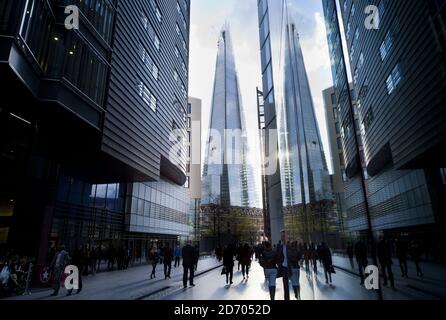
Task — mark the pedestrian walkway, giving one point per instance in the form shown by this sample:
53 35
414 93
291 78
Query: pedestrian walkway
130 284
211 286
432 284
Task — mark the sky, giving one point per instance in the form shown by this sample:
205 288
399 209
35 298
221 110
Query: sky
207 19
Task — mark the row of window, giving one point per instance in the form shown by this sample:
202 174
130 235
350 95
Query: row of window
183 65
147 96
148 61
180 13
100 13
180 35
150 31
177 53
157 11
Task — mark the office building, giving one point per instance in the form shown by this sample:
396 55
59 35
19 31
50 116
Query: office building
307 200
86 125
228 180
401 118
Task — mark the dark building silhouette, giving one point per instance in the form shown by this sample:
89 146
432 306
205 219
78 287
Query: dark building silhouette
85 123
399 87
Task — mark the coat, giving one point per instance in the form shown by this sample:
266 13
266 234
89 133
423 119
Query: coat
245 256
270 259
167 255
188 255
228 257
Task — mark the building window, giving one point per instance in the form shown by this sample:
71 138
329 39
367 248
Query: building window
386 46
157 10
352 11
349 29
181 38
175 76
183 65
180 13
148 62
354 43
381 9
147 96
151 32
394 79
355 77
368 120
338 128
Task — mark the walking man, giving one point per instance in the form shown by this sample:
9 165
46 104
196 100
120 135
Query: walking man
401 253
282 250
361 258
415 253
59 263
78 260
295 257
188 254
168 256
228 263
327 262
196 257
385 260
350 253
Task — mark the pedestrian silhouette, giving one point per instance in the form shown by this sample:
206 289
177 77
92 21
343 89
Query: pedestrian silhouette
384 251
188 255
270 261
228 263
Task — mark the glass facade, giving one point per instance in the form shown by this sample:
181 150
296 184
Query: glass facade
88 214
158 208
302 147
68 55
227 176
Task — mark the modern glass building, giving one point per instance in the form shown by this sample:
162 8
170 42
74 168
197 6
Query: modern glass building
400 119
306 194
230 202
86 127
227 175
270 62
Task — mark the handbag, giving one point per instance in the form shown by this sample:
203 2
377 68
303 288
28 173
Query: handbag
223 271
332 270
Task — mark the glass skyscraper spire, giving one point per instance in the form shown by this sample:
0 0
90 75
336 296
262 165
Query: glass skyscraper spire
305 177
227 175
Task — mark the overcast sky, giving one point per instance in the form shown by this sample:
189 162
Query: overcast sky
207 19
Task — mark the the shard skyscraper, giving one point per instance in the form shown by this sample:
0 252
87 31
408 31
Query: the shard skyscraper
227 174
306 194
306 177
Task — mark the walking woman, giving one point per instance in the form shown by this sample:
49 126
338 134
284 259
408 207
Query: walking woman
270 260
327 262
228 263
245 260
153 259
295 257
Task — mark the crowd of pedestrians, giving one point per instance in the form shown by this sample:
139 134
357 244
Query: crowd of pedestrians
15 274
283 260
402 250
286 259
